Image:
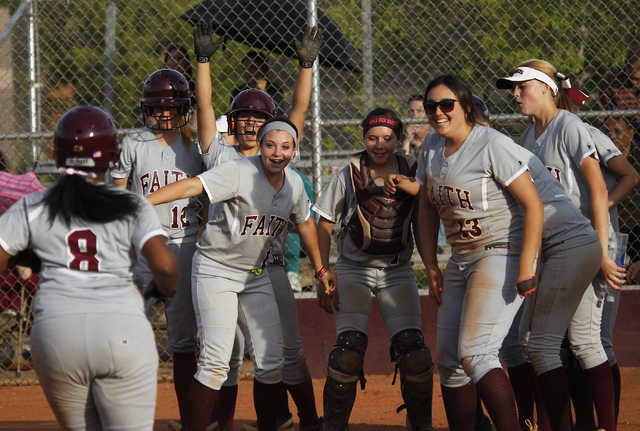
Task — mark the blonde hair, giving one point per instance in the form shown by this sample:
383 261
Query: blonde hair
562 100
188 135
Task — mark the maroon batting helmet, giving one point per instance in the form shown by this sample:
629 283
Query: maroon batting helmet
85 137
249 100
165 88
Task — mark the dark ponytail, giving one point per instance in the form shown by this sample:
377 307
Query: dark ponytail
74 198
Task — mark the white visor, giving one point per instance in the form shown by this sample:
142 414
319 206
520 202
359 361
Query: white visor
526 74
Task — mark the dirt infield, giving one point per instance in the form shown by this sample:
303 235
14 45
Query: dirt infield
25 408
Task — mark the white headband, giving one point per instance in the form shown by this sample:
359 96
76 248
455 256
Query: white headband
528 73
278 125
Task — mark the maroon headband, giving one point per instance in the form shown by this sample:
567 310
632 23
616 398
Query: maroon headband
384 121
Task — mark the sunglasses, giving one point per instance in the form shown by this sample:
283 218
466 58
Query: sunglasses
445 105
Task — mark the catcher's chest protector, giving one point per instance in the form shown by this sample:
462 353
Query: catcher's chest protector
380 224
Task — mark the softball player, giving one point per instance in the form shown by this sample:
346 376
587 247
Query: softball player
621 178
255 199
375 246
249 110
163 153
104 376
565 147
475 180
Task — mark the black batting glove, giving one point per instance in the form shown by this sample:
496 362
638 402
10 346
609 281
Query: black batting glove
203 44
310 48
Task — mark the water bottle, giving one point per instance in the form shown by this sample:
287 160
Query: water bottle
617 252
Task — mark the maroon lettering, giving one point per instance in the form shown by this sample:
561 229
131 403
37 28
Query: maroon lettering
259 230
448 189
555 172
248 223
466 198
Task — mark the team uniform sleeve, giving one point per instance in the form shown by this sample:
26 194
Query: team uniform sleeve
331 203
221 183
605 147
14 228
147 224
578 141
211 157
125 162
507 160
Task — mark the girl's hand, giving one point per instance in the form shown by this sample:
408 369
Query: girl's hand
434 281
612 273
328 297
633 274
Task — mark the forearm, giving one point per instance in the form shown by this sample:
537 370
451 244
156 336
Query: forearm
206 114
409 185
179 190
325 228
301 97
120 182
600 217
531 239
428 224
309 238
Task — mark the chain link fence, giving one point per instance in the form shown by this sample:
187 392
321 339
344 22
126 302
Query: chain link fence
56 54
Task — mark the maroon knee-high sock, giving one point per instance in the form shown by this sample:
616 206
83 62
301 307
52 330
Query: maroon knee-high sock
305 401
580 395
225 407
542 416
496 393
201 401
555 391
283 405
265 400
479 410
460 406
522 391
601 383
184 367
617 387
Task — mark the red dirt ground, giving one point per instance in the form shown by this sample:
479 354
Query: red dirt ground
25 408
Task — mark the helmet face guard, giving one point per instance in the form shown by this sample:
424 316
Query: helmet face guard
247 101
86 137
166 103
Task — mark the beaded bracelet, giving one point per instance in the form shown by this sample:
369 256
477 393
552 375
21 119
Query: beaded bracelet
320 273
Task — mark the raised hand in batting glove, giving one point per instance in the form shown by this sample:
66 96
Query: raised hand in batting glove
310 48
203 44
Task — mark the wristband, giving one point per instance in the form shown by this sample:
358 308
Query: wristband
320 273
203 59
306 64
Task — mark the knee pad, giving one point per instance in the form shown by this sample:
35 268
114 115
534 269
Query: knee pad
347 356
412 356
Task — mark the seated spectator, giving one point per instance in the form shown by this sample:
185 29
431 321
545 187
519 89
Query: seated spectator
622 86
255 73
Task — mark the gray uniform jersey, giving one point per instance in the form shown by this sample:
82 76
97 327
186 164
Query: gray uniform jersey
468 189
220 151
250 213
562 147
564 225
337 204
150 165
86 268
606 151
